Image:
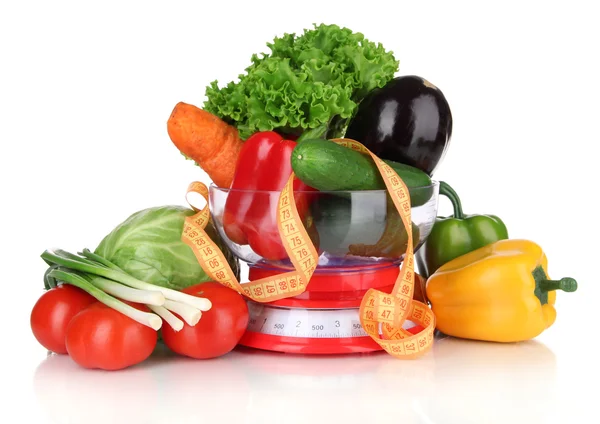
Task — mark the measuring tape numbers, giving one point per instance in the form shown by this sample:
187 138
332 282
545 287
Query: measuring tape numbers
296 241
382 315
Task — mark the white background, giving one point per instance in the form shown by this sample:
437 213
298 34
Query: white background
85 92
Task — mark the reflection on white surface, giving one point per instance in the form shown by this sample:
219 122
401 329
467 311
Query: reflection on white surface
458 382
476 382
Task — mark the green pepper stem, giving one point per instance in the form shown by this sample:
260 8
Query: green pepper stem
565 284
446 190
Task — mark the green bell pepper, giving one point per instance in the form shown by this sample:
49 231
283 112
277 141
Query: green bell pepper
457 235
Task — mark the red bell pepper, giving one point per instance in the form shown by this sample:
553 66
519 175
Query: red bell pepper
250 215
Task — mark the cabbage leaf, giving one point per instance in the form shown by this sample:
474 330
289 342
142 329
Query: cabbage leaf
148 246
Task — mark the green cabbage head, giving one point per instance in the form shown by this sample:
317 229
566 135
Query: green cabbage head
148 246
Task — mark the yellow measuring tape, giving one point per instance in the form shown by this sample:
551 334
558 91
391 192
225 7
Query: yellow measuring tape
382 315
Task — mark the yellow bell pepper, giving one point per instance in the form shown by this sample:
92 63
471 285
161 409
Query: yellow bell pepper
499 292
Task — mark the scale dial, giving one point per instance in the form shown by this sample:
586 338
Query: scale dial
305 323
307 331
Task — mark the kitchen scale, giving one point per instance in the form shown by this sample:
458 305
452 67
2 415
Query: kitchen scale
325 318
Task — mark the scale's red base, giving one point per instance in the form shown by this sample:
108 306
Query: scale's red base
341 289
310 346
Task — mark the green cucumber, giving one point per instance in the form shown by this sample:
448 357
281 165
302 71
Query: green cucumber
343 221
328 166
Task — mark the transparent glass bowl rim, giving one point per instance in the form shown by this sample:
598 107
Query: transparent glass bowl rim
213 187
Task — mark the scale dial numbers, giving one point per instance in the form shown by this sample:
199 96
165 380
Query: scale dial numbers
305 323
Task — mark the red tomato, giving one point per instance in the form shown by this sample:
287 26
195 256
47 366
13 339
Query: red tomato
218 331
101 337
52 313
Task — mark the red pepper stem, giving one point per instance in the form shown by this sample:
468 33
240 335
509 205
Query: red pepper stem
446 190
565 284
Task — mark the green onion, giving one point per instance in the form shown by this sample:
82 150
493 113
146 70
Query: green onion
148 319
97 258
78 258
121 291
49 282
68 260
108 283
168 316
189 314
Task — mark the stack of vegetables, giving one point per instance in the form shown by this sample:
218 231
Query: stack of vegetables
327 83
282 116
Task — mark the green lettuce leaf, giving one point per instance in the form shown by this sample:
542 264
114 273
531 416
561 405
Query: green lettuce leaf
314 79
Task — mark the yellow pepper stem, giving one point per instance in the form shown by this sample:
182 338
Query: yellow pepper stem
543 285
565 284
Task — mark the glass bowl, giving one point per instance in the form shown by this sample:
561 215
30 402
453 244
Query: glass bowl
350 229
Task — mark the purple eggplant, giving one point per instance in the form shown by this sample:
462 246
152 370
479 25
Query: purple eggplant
408 121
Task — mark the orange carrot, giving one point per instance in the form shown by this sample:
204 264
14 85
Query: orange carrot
205 138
